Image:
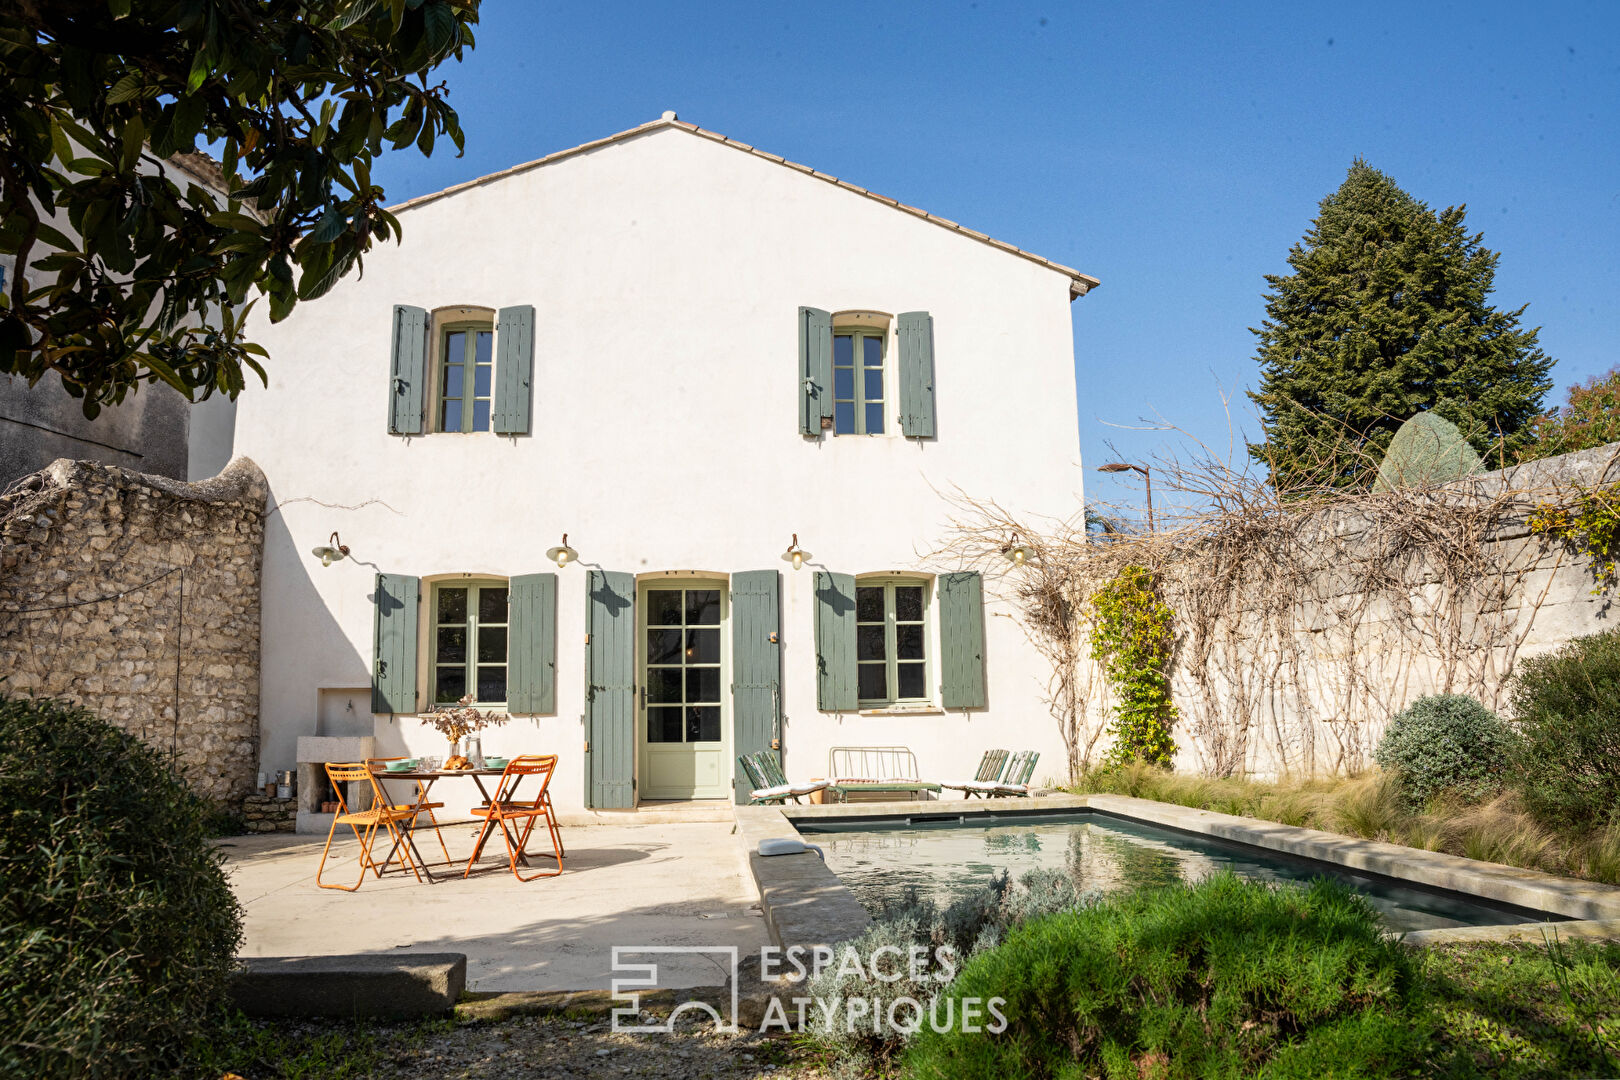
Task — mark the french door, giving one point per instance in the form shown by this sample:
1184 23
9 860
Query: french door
683 706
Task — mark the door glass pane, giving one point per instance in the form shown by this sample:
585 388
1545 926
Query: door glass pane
703 646
702 685
908 642
481 377
664 646
873 348
492 683
872 682
874 419
874 384
664 725
868 605
703 724
844 418
869 642
491 646
911 680
492 605
843 350
908 603
481 347
480 416
703 607
449 685
664 685
453 605
452 645
664 607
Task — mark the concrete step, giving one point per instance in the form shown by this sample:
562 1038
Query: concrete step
385 985
652 813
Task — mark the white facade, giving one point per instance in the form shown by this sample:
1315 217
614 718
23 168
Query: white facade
666 268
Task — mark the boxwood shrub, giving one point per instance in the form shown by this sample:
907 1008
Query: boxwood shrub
1568 709
1223 979
118 930
1446 742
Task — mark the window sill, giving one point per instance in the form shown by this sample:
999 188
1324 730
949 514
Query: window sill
904 710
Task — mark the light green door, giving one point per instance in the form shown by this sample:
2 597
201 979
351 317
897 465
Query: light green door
684 721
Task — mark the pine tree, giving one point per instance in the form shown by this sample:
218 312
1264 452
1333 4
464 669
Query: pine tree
1384 316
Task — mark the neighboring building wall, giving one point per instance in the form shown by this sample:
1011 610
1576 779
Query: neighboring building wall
109 578
667 272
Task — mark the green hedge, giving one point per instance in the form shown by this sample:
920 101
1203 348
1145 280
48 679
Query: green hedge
1568 709
118 930
1226 978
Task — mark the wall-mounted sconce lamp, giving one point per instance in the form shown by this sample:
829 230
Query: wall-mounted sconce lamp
795 554
331 551
562 554
1017 554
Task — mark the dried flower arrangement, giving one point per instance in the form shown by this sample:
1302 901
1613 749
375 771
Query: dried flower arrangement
457 723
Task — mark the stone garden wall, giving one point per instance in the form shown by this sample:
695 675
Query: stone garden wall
137 596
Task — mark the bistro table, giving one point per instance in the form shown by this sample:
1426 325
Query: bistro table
425 779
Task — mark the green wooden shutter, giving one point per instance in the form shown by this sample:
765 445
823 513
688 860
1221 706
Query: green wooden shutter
408 383
756 665
610 692
815 369
961 640
917 374
531 651
393 666
514 369
835 642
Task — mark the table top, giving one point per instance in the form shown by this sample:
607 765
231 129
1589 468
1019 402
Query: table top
426 774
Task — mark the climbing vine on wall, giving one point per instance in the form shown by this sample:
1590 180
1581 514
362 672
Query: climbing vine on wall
1590 524
1133 637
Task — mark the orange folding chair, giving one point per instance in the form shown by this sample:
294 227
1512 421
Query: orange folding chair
375 764
365 823
506 809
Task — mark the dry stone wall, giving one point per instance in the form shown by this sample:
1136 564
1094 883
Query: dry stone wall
137 596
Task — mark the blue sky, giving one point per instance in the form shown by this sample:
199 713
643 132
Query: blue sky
1175 151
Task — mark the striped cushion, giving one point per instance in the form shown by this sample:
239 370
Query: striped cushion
788 789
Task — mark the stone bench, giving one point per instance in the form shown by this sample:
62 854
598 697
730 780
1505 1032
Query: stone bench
383 985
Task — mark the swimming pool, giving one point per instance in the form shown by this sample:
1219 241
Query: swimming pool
879 859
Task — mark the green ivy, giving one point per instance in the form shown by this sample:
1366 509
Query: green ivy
1590 525
1132 637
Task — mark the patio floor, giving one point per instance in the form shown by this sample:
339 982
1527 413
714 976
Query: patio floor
654 884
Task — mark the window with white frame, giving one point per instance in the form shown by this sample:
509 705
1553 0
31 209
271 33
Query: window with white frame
891 641
469 642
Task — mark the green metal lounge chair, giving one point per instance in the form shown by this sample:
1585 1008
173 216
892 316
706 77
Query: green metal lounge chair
991 767
876 769
769 783
1016 783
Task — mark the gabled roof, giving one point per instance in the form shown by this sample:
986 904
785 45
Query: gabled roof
1079 284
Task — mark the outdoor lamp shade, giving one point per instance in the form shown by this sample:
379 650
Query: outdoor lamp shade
562 554
1018 554
795 554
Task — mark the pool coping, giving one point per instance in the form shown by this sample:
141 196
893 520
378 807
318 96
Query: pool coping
806 904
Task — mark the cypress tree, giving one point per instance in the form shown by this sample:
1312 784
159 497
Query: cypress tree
1385 315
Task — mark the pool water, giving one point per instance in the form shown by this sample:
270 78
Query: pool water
880 860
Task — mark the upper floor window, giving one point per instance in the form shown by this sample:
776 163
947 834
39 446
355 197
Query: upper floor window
466 376
469 642
891 623
858 381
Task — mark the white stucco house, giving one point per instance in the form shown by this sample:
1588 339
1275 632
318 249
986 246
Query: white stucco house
681 351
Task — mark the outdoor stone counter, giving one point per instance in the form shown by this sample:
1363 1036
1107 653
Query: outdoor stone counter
137 597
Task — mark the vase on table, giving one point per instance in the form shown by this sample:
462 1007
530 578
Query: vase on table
455 750
475 751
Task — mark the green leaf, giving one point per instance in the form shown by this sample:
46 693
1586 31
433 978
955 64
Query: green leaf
331 226
126 89
439 26
118 8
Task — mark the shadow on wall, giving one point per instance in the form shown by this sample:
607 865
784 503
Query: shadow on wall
304 647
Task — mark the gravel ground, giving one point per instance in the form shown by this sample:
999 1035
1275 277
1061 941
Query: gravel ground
553 1047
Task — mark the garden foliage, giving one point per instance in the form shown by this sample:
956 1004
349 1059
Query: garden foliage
1568 708
1223 979
118 930
1446 743
1384 315
1590 418
1133 637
